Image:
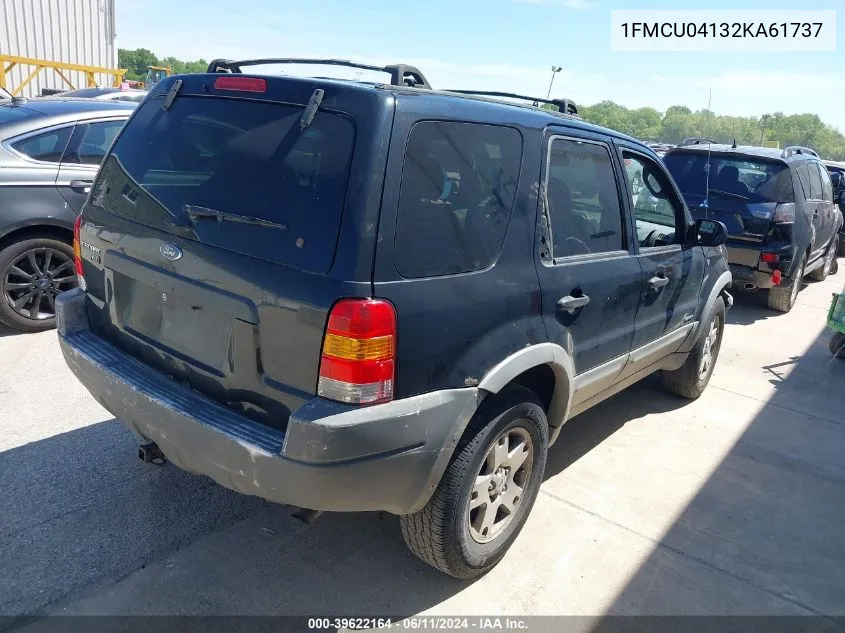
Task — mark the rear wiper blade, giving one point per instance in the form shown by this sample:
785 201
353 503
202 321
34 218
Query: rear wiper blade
202 213
727 194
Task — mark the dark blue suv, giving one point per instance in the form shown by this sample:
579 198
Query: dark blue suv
347 296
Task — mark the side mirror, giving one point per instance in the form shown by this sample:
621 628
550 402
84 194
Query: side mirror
710 232
836 179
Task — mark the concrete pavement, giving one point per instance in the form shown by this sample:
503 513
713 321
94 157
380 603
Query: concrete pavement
732 504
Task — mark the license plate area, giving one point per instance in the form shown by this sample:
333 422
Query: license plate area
183 327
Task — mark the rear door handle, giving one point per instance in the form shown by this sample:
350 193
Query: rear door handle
658 282
570 304
83 186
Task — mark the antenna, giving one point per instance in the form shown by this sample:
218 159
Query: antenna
706 203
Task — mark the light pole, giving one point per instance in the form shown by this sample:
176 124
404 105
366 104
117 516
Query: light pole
555 71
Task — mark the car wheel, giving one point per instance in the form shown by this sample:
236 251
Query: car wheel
690 380
820 274
488 489
837 345
782 298
32 273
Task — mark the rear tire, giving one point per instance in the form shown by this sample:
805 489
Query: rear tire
22 282
820 274
472 519
783 298
837 345
691 379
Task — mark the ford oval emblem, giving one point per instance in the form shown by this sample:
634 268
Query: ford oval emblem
171 252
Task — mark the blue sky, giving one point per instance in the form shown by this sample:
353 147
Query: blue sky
502 45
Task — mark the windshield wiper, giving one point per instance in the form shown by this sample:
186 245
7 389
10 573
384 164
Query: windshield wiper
727 194
203 213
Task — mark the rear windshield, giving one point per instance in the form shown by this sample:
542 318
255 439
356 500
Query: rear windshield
757 181
206 164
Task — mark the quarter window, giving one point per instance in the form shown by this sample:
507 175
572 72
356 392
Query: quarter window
47 146
582 199
458 187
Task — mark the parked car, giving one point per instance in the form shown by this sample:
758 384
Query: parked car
778 208
104 94
49 153
837 178
353 297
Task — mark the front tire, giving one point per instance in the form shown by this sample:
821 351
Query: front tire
783 299
691 379
32 273
488 489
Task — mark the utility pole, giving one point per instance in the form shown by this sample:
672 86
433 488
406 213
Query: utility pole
555 70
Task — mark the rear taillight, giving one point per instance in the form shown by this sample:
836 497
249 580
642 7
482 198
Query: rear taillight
770 258
359 352
784 213
243 84
77 252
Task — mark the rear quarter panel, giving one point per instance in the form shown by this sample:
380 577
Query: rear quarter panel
454 329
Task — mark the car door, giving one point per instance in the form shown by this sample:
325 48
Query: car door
672 268
590 280
88 145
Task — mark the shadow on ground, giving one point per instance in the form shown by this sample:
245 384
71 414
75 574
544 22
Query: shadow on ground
771 514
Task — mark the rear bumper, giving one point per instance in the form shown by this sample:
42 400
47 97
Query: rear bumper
747 278
331 457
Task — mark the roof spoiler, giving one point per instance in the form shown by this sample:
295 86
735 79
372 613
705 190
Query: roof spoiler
400 74
566 106
798 149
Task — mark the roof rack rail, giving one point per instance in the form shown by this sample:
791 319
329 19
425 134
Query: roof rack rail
400 74
798 149
566 106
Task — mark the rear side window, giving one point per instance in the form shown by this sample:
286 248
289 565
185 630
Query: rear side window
238 174
582 199
458 186
815 182
47 146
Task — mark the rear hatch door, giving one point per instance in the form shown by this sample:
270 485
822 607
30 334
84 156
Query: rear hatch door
211 236
743 192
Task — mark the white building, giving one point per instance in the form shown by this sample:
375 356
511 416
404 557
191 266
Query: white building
72 31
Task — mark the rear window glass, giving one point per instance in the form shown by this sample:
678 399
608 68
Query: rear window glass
237 174
458 186
754 180
47 146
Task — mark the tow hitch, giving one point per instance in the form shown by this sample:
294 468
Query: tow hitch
151 454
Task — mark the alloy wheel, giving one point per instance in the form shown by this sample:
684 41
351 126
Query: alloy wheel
500 485
711 349
34 279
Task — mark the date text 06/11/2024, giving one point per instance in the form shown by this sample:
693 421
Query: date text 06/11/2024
423 623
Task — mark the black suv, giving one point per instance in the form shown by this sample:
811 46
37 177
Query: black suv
778 207
347 296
